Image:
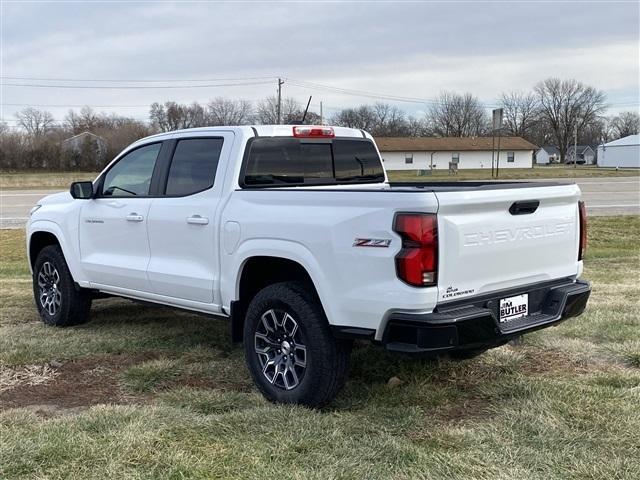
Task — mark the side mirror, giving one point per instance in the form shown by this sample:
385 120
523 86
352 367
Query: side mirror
81 190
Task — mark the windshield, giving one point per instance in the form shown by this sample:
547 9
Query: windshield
285 161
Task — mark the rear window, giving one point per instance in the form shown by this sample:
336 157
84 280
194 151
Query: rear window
286 161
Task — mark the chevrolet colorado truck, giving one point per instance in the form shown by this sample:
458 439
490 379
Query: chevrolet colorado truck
295 234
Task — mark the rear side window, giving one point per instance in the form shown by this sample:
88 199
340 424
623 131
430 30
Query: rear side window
286 161
193 166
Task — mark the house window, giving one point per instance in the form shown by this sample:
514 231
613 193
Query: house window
408 158
455 157
510 157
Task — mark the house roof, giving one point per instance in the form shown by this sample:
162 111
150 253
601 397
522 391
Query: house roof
454 144
581 149
630 140
82 134
550 149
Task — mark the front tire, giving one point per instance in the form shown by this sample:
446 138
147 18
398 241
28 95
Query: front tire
289 349
58 300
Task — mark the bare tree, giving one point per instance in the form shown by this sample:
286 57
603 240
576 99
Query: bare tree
36 122
222 111
456 115
174 116
566 105
417 127
521 113
267 111
389 121
362 117
381 120
625 124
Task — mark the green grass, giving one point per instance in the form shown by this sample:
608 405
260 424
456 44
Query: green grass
538 172
150 392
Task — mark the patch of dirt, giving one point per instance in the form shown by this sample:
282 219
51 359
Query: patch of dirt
75 384
551 362
469 409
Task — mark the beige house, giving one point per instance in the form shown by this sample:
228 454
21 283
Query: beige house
425 153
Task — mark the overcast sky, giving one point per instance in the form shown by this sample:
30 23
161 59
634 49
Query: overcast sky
407 49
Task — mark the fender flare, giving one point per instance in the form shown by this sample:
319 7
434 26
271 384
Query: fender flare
278 248
70 256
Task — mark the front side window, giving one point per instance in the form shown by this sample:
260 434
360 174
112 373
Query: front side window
408 158
510 157
193 166
291 161
131 175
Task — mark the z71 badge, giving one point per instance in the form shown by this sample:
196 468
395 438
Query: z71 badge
372 242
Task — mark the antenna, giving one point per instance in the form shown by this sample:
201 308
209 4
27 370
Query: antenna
306 110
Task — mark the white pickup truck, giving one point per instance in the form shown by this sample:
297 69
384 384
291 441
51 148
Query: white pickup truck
295 234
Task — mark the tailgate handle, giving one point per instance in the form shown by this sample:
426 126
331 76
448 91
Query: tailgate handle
524 208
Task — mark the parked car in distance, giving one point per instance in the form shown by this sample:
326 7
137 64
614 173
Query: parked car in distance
296 236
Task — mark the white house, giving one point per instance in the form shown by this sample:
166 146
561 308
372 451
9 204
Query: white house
424 153
624 152
547 154
586 155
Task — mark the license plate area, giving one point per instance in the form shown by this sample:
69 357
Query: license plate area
512 308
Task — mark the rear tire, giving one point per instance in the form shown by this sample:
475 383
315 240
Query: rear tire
60 303
289 349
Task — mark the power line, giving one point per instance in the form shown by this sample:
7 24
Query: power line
78 105
359 93
132 87
136 80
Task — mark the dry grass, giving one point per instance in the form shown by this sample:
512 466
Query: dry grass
148 392
42 180
538 172
62 180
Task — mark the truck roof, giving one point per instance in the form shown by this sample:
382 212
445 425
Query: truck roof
261 130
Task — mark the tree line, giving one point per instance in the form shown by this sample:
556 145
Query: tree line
550 113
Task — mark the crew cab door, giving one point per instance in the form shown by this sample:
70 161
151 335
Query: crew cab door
114 247
183 227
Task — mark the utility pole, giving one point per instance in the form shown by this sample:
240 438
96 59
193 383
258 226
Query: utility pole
280 82
321 116
575 146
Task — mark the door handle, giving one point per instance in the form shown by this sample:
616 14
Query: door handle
524 208
197 220
134 217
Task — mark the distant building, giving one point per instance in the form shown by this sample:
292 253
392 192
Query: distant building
624 153
586 155
79 142
424 153
547 154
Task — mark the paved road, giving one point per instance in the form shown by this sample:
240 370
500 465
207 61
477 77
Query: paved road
603 196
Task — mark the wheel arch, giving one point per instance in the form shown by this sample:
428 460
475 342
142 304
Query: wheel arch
39 240
43 233
259 271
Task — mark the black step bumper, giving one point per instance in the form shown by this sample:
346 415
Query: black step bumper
473 324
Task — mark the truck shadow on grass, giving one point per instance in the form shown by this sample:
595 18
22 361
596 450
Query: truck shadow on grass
140 354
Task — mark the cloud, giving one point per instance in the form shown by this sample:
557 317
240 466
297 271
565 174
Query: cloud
408 49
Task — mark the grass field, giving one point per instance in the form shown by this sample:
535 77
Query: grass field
514 173
62 180
149 392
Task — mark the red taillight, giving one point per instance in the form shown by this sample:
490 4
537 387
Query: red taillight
313 132
417 262
583 230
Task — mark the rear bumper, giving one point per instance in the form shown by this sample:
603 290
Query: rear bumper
474 324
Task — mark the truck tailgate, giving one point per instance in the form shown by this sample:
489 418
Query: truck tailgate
491 240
